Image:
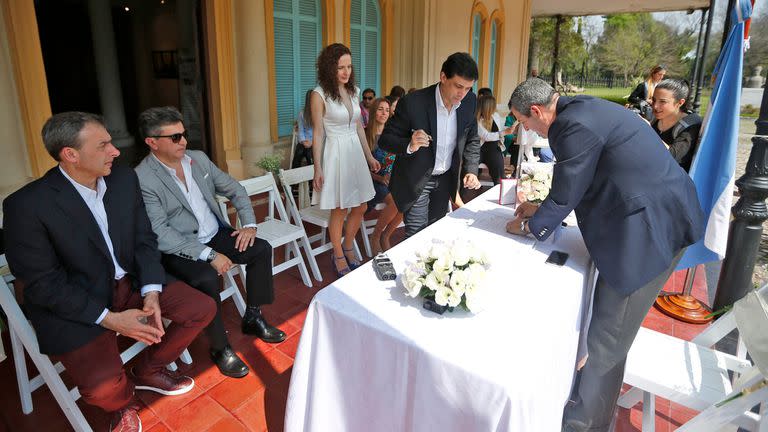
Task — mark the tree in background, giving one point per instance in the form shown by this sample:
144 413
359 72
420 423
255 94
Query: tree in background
633 43
572 47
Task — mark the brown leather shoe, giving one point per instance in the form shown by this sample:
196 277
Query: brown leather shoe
126 419
164 382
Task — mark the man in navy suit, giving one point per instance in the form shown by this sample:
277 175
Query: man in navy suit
637 211
434 135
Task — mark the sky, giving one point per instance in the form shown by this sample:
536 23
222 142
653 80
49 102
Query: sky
683 19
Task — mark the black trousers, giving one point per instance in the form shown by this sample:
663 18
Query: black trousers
300 153
201 276
490 154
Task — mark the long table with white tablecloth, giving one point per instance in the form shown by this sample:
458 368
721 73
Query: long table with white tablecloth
372 359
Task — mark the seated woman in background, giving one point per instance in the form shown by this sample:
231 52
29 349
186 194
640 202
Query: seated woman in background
641 97
389 218
677 126
490 138
303 148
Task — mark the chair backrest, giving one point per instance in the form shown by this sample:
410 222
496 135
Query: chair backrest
258 185
300 177
294 142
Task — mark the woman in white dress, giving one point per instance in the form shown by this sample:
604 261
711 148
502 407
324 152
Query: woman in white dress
342 157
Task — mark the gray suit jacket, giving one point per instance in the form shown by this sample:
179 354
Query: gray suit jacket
169 211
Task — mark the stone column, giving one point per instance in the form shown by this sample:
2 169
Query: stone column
107 72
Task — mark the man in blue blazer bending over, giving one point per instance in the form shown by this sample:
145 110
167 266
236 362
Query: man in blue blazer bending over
637 211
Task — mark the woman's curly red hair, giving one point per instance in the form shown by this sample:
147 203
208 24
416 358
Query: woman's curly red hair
327 62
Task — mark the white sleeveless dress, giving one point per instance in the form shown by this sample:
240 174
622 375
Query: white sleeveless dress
347 180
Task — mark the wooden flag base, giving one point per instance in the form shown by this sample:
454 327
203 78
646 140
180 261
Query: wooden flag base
685 308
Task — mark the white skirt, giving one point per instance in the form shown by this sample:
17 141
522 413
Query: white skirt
347 181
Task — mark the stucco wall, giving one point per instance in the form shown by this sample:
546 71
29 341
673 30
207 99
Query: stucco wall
14 167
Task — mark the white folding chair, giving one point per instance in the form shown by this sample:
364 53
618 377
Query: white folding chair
691 374
294 142
310 214
24 339
277 231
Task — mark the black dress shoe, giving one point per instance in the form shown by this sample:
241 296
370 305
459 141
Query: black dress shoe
255 324
229 363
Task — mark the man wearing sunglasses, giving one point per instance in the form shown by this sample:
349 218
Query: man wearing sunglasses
198 246
369 95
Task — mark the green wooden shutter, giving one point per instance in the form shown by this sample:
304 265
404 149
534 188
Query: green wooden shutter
297 38
492 62
365 42
476 29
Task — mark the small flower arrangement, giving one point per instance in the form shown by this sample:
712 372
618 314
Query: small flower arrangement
534 186
449 275
270 163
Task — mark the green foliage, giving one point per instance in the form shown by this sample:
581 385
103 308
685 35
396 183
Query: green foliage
270 162
572 53
631 44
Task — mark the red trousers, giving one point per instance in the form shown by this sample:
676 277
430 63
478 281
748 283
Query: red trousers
96 368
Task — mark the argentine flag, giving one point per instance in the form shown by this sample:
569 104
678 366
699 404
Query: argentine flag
714 165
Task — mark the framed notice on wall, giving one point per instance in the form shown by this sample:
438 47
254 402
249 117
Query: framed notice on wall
165 64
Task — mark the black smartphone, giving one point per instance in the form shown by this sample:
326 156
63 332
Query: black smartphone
557 258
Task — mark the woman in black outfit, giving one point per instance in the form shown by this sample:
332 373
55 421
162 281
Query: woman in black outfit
677 126
641 97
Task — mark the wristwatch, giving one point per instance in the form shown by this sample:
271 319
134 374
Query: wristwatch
211 256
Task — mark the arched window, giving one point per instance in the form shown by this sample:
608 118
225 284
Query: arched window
477 38
297 42
493 57
365 42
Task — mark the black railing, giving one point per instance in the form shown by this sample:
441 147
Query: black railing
606 81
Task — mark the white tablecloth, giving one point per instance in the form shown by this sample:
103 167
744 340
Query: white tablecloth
372 359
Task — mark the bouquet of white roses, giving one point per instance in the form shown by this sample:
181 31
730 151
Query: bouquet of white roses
534 185
450 274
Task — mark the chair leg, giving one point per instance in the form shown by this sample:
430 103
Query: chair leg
357 250
366 241
185 357
237 297
61 393
324 237
311 258
631 398
294 246
649 412
22 375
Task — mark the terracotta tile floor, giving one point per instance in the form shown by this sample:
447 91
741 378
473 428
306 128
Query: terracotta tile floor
257 402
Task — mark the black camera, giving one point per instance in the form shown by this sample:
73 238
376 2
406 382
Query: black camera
383 267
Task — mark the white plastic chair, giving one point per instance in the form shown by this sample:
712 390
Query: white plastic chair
310 214
688 373
277 231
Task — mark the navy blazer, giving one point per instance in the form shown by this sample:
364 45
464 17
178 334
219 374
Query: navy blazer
56 249
635 206
411 172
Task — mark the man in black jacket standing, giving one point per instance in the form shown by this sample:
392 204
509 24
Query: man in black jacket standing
434 135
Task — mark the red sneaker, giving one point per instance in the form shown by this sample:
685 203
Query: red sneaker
164 382
126 419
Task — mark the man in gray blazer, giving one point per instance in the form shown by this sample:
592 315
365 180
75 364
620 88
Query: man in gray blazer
197 245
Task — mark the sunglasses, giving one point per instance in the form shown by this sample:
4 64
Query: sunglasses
174 137
367 97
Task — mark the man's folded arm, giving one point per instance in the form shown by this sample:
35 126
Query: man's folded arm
578 153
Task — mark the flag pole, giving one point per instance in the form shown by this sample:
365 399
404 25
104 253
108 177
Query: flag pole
685 307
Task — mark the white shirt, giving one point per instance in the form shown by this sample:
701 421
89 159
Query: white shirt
446 134
208 223
94 199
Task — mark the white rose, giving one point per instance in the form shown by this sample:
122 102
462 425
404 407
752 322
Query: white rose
441 296
453 298
459 280
444 263
540 176
433 283
474 301
413 286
